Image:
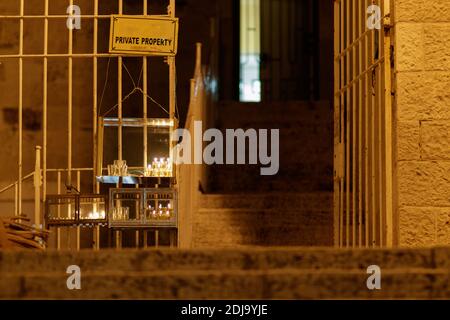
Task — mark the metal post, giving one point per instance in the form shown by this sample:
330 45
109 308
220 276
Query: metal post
37 188
337 108
45 105
342 138
119 95
366 137
348 124
58 229
16 199
78 229
96 186
70 106
20 107
388 125
144 96
145 239
172 76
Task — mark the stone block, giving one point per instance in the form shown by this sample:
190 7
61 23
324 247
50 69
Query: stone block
435 140
423 95
436 37
410 51
417 226
424 183
408 140
405 10
422 10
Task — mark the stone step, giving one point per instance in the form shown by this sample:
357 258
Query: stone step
270 284
247 179
318 201
305 147
251 273
270 227
285 219
244 258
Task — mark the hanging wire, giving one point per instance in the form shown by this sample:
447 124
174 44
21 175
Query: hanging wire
104 86
136 88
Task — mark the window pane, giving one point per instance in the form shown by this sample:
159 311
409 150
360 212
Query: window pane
250 51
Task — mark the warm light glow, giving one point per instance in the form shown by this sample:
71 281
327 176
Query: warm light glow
96 215
160 167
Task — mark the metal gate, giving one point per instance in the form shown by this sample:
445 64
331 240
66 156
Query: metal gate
93 14
363 170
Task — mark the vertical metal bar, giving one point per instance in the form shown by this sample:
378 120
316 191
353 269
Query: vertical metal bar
373 141
78 229
354 124
172 85
348 127
58 230
381 146
366 130
119 116
145 239
69 120
37 188
342 122
20 106
94 95
388 125
139 217
70 106
144 96
16 199
380 159
119 94
45 106
117 236
337 108
360 125
96 186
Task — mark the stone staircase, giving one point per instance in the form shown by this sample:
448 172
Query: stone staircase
246 273
292 208
267 219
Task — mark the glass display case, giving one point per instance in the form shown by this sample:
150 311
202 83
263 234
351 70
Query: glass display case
143 208
76 210
146 155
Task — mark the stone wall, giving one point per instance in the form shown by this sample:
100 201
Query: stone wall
422 31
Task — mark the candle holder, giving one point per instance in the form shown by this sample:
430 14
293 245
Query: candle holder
160 167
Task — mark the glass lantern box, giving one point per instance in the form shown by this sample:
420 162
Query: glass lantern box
143 208
145 145
76 210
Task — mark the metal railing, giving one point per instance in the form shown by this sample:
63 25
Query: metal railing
363 177
194 177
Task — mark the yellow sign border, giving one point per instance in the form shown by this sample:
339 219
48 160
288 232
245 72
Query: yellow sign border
170 53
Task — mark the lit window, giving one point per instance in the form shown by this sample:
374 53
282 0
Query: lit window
250 51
